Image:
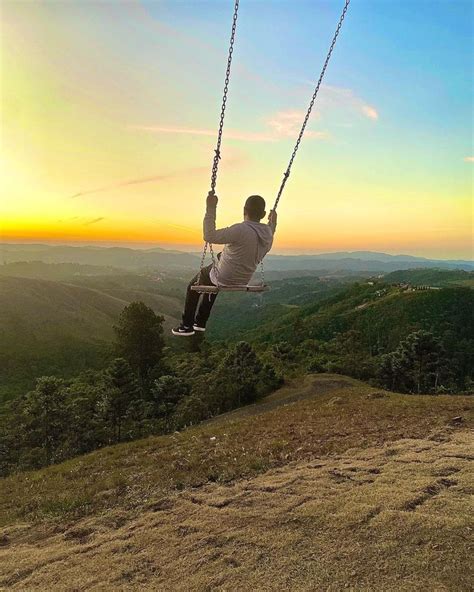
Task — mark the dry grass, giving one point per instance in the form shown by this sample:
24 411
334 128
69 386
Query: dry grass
322 486
385 518
320 415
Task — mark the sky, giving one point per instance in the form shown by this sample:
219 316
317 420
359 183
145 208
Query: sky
109 114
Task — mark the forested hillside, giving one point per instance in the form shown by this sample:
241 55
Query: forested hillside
383 315
431 277
63 327
113 377
355 330
51 327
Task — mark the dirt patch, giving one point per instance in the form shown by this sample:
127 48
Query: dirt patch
363 520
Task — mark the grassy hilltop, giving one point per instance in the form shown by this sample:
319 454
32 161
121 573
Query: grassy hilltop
325 483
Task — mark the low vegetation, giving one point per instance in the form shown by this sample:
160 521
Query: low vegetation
315 416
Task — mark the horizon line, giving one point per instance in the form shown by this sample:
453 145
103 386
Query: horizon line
191 249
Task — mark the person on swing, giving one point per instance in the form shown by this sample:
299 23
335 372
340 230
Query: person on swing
246 244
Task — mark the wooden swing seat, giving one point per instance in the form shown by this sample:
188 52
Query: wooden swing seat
240 288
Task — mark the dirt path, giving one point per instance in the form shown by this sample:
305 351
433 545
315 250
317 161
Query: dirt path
320 384
391 518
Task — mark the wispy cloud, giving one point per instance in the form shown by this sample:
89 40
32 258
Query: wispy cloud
343 99
230 134
287 124
279 126
346 98
93 221
469 159
139 181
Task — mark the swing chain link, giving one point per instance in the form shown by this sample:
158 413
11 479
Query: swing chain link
311 104
217 151
262 273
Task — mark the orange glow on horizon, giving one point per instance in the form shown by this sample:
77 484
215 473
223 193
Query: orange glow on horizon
449 247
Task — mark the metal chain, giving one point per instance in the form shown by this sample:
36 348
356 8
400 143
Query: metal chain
217 151
262 273
311 104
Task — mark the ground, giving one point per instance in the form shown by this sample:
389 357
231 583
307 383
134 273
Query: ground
384 510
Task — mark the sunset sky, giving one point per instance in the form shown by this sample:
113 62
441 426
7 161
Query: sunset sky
109 115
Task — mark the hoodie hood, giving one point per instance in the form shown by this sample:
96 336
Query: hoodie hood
265 237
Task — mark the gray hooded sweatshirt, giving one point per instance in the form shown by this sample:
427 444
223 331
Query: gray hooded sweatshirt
246 244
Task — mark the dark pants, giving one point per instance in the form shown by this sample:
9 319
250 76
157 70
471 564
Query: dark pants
190 317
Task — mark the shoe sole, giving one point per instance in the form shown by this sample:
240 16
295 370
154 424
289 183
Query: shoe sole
190 334
200 329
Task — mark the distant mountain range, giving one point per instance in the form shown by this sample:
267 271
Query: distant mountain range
160 259
361 261
118 257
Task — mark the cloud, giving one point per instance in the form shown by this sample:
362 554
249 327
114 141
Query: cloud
230 134
282 125
151 179
469 159
370 112
93 221
343 99
287 124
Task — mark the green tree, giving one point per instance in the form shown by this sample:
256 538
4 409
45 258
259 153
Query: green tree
137 418
347 354
122 390
239 375
45 419
425 353
166 394
190 411
394 370
139 338
419 364
85 430
284 351
269 380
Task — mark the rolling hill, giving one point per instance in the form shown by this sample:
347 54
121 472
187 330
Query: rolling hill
382 314
53 271
432 277
50 327
119 257
325 485
63 327
159 259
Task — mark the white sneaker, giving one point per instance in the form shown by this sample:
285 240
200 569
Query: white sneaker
198 328
182 330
